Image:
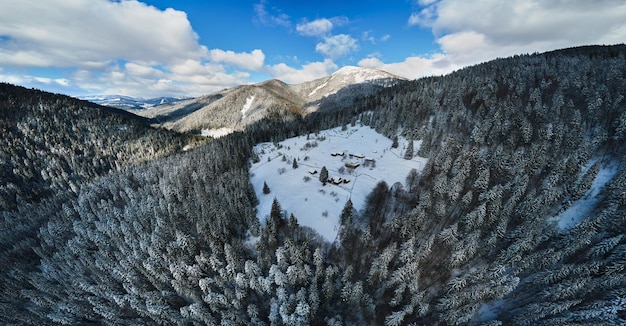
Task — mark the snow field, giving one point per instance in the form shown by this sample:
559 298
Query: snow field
299 190
246 107
216 133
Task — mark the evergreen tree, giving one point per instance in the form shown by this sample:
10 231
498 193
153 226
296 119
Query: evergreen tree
324 175
394 143
409 151
276 213
294 164
346 214
266 188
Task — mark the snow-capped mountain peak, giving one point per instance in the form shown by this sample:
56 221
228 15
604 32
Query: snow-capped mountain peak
345 82
359 74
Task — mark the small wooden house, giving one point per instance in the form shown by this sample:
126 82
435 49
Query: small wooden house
336 180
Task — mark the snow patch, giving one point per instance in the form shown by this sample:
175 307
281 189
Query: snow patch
367 159
216 132
488 311
246 107
581 208
318 88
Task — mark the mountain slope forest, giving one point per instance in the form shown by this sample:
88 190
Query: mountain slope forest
518 217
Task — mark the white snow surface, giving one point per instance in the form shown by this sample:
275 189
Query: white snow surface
350 75
358 75
247 106
313 204
581 208
216 133
318 88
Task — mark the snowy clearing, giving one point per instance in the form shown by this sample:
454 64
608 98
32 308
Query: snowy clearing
356 159
217 132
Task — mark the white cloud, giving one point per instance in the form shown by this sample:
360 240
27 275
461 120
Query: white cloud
307 72
249 61
126 47
477 31
59 33
141 70
424 17
189 78
528 25
412 67
318 27
332 46
337 46
367 37
265 18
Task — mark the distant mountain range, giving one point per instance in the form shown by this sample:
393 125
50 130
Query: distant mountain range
235 108
129 102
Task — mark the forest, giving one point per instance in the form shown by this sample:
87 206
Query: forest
518 217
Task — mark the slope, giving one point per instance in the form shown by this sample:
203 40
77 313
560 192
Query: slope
54 142
51 146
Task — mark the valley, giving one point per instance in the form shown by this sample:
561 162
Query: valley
493 195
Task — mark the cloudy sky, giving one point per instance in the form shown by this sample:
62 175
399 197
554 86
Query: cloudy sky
192 47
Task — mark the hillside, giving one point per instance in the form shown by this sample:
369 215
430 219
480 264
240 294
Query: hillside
516 216
52 142
235 108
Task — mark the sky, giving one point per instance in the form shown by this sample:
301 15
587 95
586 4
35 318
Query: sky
185 48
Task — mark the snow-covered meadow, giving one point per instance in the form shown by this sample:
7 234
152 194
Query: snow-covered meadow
357 158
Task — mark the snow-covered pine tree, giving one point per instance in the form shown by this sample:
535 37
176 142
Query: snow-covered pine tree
323 175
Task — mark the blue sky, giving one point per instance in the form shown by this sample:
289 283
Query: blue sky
189 48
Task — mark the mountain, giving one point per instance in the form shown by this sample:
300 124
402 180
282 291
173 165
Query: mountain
128 102
512 211
234 109
343 86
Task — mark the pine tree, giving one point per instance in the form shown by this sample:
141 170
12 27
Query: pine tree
266 188
293 221
346 214
409 151
295 164
324 175
276 213
395 144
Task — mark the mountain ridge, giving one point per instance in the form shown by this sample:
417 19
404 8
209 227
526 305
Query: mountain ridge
129 102
224 110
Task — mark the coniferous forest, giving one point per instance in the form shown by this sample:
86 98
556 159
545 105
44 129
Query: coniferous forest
518 218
